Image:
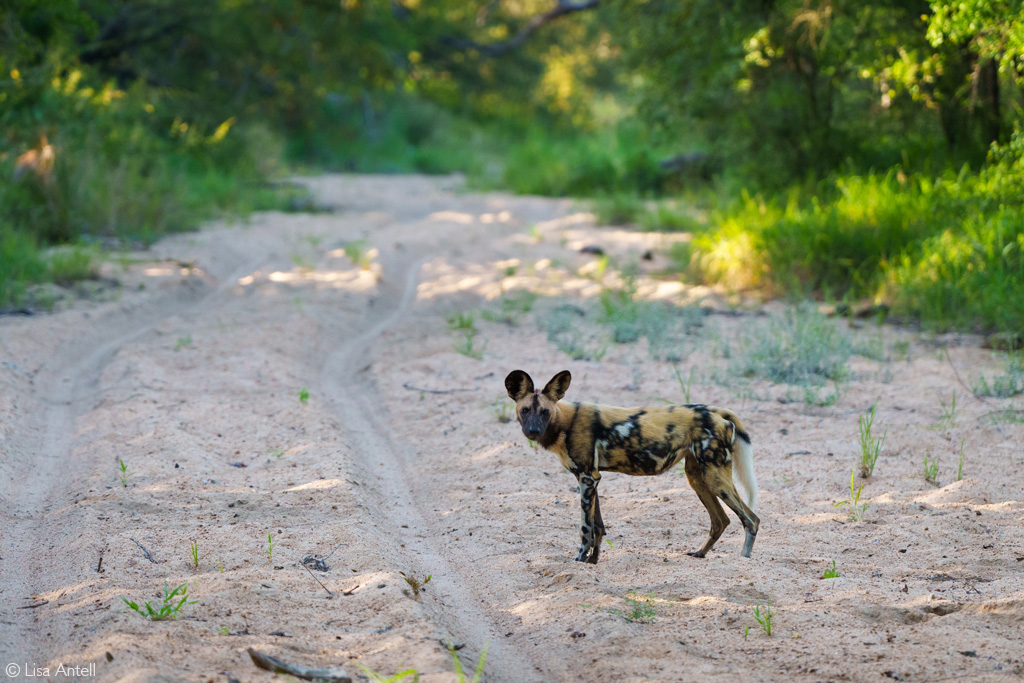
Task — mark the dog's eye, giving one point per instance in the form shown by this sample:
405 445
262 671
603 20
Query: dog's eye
525 411
545 412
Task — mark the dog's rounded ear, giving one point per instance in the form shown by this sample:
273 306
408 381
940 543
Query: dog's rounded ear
518 384
559 384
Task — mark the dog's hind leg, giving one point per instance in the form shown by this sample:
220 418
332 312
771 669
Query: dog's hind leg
721 483
719 520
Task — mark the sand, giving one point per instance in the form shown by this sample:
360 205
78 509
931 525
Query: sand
400 461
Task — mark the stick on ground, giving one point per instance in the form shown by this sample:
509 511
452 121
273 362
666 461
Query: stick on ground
144 551
329 674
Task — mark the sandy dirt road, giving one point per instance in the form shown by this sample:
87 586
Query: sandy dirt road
400 461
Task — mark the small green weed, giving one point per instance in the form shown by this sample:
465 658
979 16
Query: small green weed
831 572
563 327
167 609
183 342
948 418
193 553
123 476
686 384
960 465
462 321
467 345
457 663
68 265
276 452
381 678
304 395
358 252
857 509
640 608
1009 383
931 470
618 209
870 447
502 410
764 616
415 584
270 548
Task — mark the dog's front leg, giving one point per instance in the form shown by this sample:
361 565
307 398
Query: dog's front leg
589 522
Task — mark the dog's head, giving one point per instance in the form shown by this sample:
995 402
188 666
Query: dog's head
535 409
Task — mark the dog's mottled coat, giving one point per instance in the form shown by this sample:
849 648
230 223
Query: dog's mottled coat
589 439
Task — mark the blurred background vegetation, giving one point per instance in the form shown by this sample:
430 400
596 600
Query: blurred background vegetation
827 148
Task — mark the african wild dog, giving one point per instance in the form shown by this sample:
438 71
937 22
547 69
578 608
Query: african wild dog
589 439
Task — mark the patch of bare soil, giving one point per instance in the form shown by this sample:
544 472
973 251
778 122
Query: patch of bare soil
272 400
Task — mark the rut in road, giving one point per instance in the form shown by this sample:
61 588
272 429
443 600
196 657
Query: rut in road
42 467
453 607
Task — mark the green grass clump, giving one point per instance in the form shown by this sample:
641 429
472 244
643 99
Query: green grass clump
1009 383
764 616
169 608
931 470
619 209
20 265
831 572
800 347
870 446
639 608
124 474
564 328
857 508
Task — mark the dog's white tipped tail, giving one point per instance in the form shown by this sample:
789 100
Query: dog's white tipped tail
743 471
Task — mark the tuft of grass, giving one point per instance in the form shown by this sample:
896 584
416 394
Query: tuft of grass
764 616
686 384
621 208
960 464
415 585
467 345
457 663
304 395
948 418
169 608
68 265
381 678
640 608
270 548
870 447
564 329
857 508
183 342
462 321
1009 383
124 473
502 410
931 470
358 252
276 452
801 347
193 553
831 572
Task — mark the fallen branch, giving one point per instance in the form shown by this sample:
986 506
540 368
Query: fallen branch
144 551
329 674
329 593
563 8
435 391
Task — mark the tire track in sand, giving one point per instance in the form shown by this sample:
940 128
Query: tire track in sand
352 395
42 469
